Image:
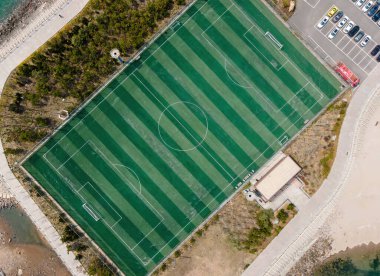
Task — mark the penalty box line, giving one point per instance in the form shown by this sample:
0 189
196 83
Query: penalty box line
111 227
101 216
254 25
288 60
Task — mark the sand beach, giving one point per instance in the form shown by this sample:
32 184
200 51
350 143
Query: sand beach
356 218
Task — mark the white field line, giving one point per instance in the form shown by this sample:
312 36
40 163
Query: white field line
229 184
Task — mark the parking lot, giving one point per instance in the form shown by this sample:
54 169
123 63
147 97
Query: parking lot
342 47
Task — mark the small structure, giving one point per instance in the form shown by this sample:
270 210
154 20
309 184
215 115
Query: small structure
279 175
115 53
63 115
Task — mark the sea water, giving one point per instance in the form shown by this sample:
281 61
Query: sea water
23 229
363 258
7 7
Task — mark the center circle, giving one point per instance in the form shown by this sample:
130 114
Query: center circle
190 126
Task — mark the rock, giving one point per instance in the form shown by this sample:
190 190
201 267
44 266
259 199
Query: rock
292 6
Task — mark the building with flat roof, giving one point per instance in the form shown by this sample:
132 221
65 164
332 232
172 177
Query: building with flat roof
280 174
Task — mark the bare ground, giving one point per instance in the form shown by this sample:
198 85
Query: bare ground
314 149
30 259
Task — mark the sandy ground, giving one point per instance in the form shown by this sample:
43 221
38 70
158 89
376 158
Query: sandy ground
224 260
28 259
357 217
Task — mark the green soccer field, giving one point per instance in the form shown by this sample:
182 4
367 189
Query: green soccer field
172 137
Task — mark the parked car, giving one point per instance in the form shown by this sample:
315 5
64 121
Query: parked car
360 3
376 17
359 36
349 27
365 41
337 16
323 22
375 50
354 1
378 58
332 11
373 10
333 33
354 31
342 22
367 6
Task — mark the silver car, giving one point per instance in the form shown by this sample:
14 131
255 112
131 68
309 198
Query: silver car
323 22
342 22
360 3
349 26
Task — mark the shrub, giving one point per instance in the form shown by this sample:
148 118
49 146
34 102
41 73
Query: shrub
31 135
43 121
69 234
16 108
282 215
177 254
14 151
291 207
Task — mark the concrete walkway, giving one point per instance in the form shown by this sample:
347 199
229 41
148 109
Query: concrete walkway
297 237
12 54
29 39
38 218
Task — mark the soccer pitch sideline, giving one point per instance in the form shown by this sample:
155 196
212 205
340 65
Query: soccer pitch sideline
171 138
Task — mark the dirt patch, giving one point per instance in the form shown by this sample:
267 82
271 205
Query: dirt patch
28 258
226 245
212 254
285 8
314 149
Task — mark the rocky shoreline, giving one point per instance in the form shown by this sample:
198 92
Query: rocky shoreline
20 18
7 202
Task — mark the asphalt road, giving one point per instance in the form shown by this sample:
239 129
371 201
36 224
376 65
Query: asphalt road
341 48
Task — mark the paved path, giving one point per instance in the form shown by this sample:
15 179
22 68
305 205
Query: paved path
39 219
17 50
28 40
284 251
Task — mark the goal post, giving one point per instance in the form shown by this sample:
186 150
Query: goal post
273 40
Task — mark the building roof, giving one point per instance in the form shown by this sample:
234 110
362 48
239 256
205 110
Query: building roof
275 179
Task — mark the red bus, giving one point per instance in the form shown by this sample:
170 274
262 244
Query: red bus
347 74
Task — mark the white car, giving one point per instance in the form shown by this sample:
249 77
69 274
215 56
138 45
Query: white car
342 22
360 3
333 33
323 22
365 41
349 26
367 6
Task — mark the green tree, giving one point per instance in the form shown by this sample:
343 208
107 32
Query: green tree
282 215
375 263
263 220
